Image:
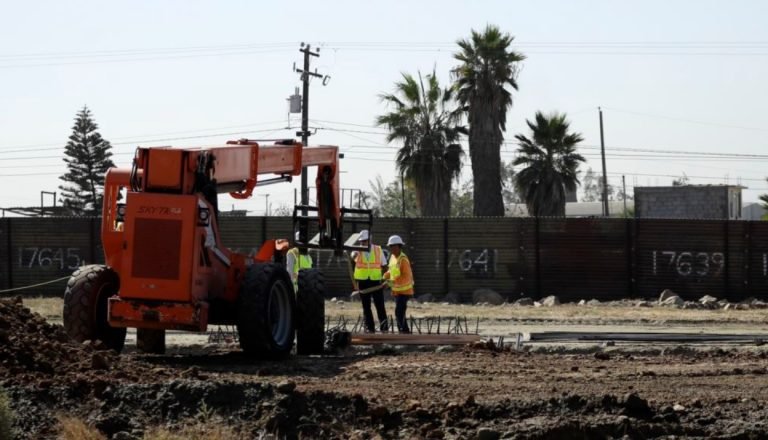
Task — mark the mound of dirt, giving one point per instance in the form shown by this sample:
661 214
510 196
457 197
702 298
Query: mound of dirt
28 344
35 352
256 409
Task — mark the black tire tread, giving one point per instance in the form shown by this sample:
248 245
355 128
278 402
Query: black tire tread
85 313
253 329
310 312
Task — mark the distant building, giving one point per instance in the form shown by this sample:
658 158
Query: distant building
689 201
753 211
579 209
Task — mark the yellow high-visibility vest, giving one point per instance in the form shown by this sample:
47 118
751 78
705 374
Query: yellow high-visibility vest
300 261
369 268
400 275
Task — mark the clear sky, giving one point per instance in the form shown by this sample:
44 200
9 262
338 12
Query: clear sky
683 76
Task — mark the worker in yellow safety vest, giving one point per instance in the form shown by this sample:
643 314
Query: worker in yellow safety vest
296 261
400 278
368 273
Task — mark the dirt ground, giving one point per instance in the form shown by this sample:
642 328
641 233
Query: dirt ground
578 391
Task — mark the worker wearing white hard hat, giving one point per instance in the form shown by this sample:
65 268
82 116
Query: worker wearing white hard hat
367 275
400 278
295 261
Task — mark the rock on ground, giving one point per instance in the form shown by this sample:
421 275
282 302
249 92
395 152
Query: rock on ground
451 298
487 296
524 301
550 301
673 301
666 294
426 298
707 299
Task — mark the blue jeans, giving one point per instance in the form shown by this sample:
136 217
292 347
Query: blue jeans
401 305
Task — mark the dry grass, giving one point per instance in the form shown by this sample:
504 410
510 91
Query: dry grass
197 431
51 309
72 428
565 312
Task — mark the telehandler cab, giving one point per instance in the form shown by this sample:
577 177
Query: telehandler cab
167 268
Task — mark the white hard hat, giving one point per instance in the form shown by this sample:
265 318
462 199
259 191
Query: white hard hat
395 239
363 235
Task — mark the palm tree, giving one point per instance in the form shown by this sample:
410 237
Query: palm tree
426 121
551 164
487 67
764 199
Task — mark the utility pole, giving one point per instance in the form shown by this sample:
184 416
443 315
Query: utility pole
624 191
606 212
402 193
304 133
266 205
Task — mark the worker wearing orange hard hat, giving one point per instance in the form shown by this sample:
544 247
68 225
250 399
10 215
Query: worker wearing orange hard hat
368 274
400 278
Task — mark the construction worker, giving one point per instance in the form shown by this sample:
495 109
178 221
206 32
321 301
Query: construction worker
400 278
296 261
368 274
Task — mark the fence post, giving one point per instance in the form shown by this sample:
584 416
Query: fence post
726 273
446 276
264 230
538 259
747 258
9 260
523 275
631 256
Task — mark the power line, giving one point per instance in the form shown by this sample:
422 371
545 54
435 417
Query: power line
137 141
159 57
690 121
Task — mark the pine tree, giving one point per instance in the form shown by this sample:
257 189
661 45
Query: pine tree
88 157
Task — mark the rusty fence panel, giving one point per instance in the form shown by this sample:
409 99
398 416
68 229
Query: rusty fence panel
583 258
43 249
757 259
6 264
572 258
689 257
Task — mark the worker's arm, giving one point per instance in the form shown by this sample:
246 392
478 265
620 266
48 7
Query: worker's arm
393 273
290 261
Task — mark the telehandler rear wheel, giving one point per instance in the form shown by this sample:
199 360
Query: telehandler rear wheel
265 312
310 312
150 340
85 306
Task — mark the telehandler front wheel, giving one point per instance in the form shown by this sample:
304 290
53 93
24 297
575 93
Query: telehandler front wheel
265 312
310 312
85 306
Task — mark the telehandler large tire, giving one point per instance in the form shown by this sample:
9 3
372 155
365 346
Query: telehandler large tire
85 306
310 312
149 340
265 312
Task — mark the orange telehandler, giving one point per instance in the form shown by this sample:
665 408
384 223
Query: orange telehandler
166 266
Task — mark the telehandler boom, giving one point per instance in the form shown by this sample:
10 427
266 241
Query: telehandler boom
167 268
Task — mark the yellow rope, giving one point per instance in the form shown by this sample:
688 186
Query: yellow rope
35 285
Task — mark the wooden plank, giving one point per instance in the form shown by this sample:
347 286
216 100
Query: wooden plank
641 337
412 339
